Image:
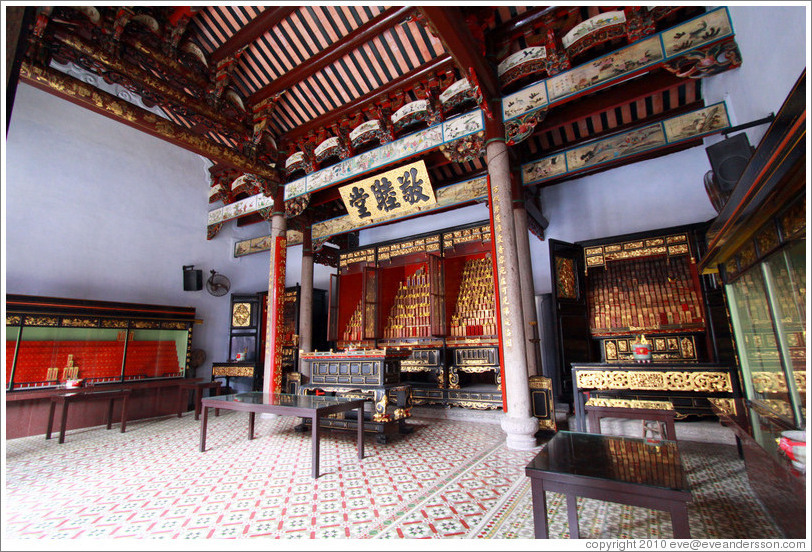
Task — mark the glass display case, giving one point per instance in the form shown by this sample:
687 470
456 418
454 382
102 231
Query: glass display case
768 312
50 341
757 248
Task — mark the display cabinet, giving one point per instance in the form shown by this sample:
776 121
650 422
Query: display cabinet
768 310
50 340
432 294
474 374
353 312
610 293
246 341
757 247
247 334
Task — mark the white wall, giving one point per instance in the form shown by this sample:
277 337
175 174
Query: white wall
97 210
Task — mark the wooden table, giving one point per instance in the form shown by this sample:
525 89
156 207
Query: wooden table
304 406
78 396
616 469
594 415
198 386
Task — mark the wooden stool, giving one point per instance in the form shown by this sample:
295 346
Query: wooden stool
198 386
664 417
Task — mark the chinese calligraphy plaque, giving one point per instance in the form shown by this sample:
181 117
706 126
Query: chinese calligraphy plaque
395 193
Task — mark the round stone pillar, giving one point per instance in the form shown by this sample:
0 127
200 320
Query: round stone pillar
518 423
528 290
306 298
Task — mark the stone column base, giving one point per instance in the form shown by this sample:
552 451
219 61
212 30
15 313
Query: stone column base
520 432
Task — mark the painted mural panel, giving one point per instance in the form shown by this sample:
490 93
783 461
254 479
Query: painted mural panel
525 100
462 125
547 167
629 59
709 119
295 188
593 25
533 53
615 147
697 32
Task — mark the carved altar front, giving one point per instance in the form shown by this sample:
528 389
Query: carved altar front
690 388
372 374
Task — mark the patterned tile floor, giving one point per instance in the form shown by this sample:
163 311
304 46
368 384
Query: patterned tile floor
446 479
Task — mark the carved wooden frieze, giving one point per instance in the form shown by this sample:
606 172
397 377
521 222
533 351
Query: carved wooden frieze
232 371
80 322
700 381
630 403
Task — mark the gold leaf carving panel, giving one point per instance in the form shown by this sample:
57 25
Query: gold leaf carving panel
655 381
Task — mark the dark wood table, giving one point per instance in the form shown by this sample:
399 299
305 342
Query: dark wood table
616 469
594 415
303 406
198 387
84 395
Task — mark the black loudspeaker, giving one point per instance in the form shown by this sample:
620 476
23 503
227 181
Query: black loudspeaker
728 160
192 279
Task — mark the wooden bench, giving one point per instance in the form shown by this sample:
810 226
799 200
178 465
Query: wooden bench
663 416
78 396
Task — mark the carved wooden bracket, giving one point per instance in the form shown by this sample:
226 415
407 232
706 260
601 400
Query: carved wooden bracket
213 229
222 77
465 149
296 206
707 61
519 129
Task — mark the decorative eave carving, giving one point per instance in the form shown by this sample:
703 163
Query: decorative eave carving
521 128
110 106
465 149
296 206
706 61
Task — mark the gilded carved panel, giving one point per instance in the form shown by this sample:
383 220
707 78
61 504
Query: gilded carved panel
565 278
655 381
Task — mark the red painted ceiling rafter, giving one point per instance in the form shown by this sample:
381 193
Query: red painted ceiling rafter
258 26
412 78
354 40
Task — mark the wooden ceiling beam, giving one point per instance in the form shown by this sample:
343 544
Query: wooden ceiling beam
518 24
269 18
146 81
620 129
85 95
450 27
354 40
610 98
423 73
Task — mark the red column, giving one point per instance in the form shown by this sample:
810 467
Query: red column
272 371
